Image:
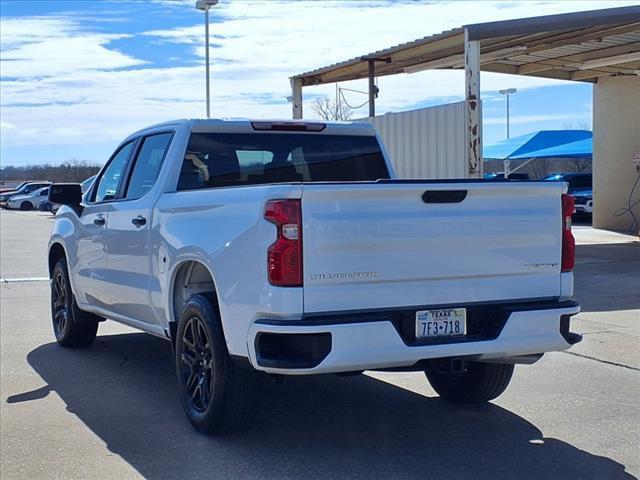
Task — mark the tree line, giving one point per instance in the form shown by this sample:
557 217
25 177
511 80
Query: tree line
73 170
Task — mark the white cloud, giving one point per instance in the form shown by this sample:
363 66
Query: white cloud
66 84
7 126
41 47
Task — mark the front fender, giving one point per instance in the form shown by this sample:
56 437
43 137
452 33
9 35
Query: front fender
64 228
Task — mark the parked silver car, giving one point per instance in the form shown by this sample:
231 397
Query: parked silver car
24 188
29 201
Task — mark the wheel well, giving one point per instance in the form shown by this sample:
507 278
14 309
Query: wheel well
56 252
191 277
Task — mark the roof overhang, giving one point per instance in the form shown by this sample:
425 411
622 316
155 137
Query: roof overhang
579 46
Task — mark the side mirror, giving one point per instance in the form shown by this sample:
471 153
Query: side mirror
69 194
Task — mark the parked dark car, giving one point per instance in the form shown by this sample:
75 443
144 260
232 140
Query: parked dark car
576 181
512 176
580 188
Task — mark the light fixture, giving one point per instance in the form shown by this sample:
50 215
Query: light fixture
204 5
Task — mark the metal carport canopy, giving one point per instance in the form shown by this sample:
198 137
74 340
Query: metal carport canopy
578 46
571 46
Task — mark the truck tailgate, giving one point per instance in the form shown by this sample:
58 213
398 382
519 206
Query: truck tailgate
377 245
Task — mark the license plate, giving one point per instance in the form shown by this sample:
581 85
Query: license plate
448 322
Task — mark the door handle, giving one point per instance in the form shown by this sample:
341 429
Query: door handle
139 221
99 221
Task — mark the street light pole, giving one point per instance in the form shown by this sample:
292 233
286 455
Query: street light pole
205 5
206 42
507 92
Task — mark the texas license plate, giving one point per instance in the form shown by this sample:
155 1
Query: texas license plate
448 322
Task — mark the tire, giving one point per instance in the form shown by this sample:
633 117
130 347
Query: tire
71 326
24 206
218 396
479 383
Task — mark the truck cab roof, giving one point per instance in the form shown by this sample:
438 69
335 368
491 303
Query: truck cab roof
245 125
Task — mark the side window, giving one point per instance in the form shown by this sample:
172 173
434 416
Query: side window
255 159
108 184
147 165
44 192
296 157
252 163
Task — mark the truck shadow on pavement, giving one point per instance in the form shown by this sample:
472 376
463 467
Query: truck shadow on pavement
123 388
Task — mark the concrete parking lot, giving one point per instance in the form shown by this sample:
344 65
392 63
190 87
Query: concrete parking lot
112 410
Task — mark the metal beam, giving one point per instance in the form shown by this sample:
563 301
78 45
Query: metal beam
372 88
397 66
581 75
534 67
457 61
445 62
296 97
578 60
473 116
548 23
610 60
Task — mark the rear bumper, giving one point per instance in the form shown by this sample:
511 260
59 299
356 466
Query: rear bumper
375 340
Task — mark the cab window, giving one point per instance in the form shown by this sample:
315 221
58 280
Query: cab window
147 164
107 187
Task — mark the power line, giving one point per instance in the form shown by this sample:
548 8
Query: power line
345 100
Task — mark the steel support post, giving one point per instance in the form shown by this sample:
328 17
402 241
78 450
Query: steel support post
372 88
473 113
296 98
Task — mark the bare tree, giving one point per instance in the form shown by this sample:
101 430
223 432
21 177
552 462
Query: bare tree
541 167
579 126
73 170
328 109
578 164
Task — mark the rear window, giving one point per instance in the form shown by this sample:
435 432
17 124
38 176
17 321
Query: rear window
223 159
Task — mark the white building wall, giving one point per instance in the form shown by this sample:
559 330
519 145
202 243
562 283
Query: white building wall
425 143
616 137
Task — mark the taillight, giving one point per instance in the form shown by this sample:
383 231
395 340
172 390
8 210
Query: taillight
568 242
284 256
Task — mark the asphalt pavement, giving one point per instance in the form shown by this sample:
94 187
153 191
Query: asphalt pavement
112 410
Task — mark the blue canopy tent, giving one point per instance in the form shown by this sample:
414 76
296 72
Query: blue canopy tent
541 144
579 149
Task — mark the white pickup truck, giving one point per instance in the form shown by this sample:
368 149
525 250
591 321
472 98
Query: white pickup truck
289 248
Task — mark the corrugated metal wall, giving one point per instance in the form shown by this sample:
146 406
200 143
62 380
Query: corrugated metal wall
425 143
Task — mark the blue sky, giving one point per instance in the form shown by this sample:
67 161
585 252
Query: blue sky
76 77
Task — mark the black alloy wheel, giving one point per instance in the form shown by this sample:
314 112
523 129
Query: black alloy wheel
72 327
60 304
197 364
219 395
